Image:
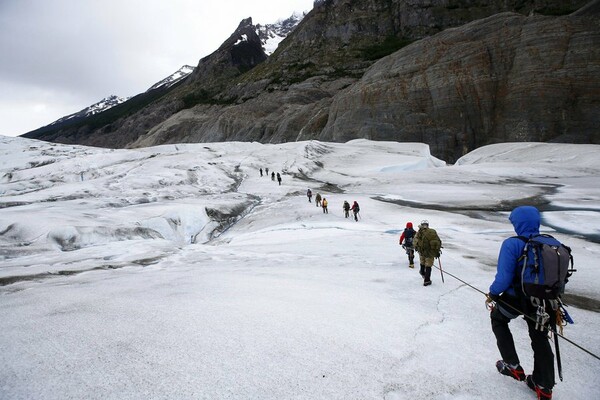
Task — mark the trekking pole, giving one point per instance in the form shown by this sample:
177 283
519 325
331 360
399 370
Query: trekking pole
558 363
441 272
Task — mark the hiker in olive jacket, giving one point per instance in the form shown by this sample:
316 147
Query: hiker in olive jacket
428 244
346 208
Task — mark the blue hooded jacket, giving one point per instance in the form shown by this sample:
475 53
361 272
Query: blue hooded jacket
526 221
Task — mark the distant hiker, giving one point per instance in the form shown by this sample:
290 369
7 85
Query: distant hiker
346 208
325 211
406 241
267 171
428 244
318 199
272 176
514 272
309 195
279 178
261 172
355 209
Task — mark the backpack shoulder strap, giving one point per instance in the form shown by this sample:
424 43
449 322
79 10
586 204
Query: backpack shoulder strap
526 240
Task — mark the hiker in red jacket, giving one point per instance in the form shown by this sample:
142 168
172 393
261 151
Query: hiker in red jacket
406 241
355 209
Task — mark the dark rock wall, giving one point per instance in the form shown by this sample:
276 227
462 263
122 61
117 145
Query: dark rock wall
505 78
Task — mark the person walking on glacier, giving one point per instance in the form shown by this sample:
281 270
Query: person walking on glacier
318 199
406 241
507 300
346 208
355 210
429 246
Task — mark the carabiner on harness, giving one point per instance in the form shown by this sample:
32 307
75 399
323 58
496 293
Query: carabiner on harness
541 316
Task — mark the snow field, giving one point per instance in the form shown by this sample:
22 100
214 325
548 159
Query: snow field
285 302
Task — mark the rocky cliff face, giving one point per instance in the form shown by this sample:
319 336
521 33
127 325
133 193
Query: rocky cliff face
504 78
345 36
439 79
241 52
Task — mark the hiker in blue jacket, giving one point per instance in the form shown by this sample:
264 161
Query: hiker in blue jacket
508 303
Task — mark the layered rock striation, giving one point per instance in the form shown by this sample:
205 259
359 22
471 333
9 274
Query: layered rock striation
505 78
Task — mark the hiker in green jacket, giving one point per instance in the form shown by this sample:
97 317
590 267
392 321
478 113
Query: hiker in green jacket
428 244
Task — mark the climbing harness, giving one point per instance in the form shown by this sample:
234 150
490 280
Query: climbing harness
524 315
541 316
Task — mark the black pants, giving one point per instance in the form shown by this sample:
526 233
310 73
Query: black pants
425 273
411 256
543 358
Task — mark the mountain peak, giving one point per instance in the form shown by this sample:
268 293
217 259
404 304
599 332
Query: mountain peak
245 23
102 105
172 79
272 34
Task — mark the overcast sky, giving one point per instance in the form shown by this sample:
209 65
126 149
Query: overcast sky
60 56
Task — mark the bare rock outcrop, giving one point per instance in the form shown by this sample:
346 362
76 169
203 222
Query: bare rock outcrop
505 78
508 77
298 113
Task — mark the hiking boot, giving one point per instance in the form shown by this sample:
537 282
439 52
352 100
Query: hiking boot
411 265
426 283
541 392
515 373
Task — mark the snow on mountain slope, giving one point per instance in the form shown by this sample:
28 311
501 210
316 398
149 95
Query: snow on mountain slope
113 100
102 105
172 79
179 272
272 34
